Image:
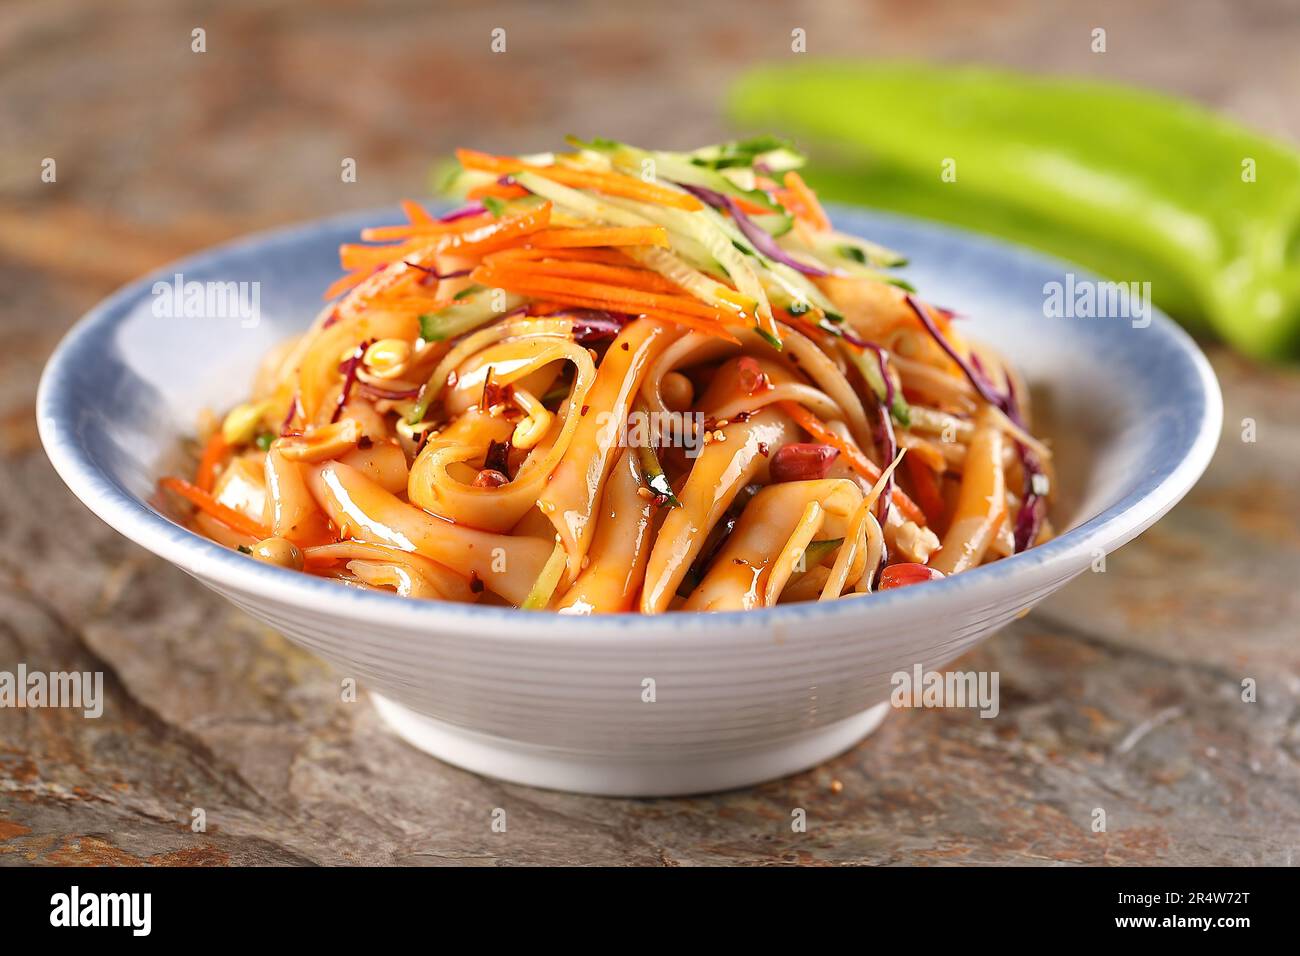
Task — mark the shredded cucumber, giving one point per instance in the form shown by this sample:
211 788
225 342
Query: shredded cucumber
779 160
865 362
576 201
775 224
613 211
544 589
800 290
452 180
708 229
842 247
771 151
787 287
678 168
675 269
475 306
707 246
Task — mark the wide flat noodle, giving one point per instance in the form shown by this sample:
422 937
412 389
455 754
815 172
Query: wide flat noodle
593 393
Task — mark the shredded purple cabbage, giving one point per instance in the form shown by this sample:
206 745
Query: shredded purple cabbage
434 273
752 231
885 437
472 209
497 457
1030 517
981 384
383 394
886 440
706 195
288 419
596 325
1033 507
882 361
348 368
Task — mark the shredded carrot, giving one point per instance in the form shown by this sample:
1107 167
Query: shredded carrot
415 213
801 201
625 276
545 308
602 236
612 184
487 163
509 277
235 520
432 228
485 236
859 462
709 326
924 451
751 207
389 283
354 256
498 190
498 234
210 461
927 489
610 257
412 303
346 282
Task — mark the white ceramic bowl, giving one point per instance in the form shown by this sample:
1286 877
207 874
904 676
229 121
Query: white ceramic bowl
560 702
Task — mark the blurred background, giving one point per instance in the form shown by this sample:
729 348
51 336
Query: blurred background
1122 691
161 150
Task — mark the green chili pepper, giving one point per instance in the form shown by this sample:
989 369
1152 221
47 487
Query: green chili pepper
653 474
1135 185
473 307
817 551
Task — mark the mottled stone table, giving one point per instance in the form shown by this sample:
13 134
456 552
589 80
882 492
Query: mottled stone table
1123 692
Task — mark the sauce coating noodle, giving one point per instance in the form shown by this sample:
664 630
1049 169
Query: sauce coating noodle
591 392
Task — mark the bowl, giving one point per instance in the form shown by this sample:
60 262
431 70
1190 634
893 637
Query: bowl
626 704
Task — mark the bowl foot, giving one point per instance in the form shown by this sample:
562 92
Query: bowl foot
623 774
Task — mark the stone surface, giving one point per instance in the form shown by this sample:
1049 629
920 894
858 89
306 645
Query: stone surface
1123 692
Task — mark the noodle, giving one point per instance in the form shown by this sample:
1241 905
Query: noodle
599 396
